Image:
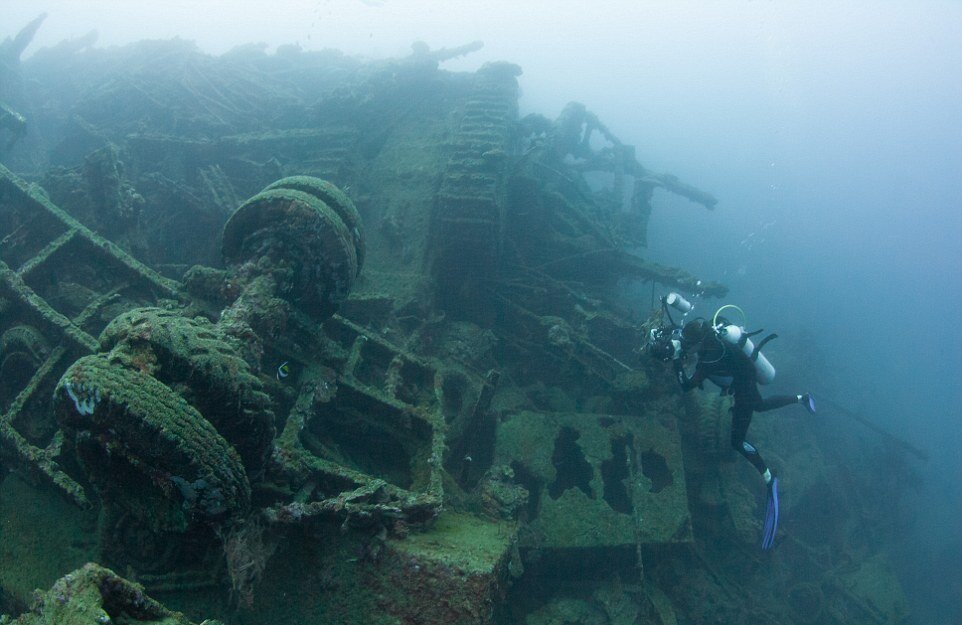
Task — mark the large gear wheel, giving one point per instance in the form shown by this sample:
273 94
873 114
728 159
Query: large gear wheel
129 425
295 234
192 358
336 199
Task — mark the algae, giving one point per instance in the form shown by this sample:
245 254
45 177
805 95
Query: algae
463 431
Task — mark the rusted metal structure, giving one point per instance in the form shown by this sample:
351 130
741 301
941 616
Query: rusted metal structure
397 381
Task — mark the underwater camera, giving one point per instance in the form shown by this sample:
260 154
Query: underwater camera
662 343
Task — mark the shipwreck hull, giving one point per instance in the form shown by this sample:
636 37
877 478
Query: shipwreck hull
399 383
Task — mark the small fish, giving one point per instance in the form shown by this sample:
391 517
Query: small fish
283 370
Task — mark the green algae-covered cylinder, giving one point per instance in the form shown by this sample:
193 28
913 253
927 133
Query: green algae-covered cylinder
146 450
301 237
337 200
191 356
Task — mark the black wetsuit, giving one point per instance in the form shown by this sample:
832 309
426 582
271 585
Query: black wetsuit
729 368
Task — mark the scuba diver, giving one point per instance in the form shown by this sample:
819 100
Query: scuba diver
724 354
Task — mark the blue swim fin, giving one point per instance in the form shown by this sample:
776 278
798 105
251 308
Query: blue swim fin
809 402
771 516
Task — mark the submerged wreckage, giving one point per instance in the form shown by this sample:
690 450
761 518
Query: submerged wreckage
396 384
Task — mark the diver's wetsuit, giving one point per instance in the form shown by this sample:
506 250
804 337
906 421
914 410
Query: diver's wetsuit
733 371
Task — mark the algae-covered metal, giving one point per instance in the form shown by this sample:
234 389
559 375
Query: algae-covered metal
399 383
597 481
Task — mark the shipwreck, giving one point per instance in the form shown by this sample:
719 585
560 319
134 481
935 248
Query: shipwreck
293 337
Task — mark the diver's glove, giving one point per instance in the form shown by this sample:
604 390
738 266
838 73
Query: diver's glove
771 515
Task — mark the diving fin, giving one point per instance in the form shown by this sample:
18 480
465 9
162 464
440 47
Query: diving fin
771 516
809 402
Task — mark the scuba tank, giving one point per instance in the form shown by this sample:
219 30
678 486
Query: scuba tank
736 336
678 302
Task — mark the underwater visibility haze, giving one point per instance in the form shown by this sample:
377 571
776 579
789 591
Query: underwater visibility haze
357 311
